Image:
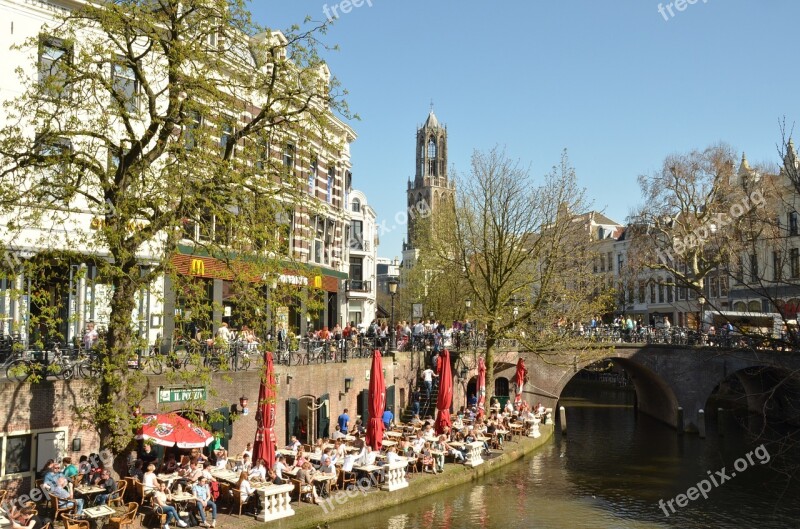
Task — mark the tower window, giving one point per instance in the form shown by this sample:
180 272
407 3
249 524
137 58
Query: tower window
431 148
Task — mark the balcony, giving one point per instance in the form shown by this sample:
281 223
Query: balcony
357 285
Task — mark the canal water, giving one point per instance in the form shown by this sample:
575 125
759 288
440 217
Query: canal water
610 471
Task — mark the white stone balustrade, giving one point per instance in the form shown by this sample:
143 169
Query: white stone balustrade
276 502
394 477
474 450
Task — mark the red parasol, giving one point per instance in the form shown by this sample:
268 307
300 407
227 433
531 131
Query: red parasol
264 445
481 386
445 393
170 429
377 403
519 380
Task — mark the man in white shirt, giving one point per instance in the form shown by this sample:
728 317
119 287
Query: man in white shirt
293 445
427 380
90 337
337 434
224 334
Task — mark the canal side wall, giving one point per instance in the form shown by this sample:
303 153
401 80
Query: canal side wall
419 486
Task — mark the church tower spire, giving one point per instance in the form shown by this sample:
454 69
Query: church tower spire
431 185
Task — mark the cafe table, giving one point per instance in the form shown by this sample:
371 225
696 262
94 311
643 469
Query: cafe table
181 501
229 476
98 516
391 433
89 491
168 479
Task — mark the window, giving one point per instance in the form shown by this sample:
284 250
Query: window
652 292
262 154
777 266
432 157
319 238
753 268
740 271
312 174
620 261
793 223
226 131
125 86
357 241
660 291
18 453
55 161
356 269
641 292
55 57
331 174
794 262
288 158
610 262
669 286
602 263
193 124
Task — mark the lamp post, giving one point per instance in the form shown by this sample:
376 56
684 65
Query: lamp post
701 300
392 330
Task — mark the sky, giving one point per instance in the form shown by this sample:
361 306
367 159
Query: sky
619 84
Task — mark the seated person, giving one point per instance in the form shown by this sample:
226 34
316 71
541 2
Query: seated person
337 433
107 482
348 463
306 477
137 470
149 480
293 444
170 466
203 499
392 457
222 459
426 458
259 471
207 472
51 473
247 492
244 465
70 470
277 470
25 518
147 455
457 455
319 447
65 497
161 499
300 458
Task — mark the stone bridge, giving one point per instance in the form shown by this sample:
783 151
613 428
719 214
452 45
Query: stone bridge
667 377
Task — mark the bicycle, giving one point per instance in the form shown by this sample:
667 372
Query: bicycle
37 364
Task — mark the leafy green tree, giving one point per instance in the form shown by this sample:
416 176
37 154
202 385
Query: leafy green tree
150 122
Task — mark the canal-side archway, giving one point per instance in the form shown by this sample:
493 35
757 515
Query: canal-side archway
654 396
771 393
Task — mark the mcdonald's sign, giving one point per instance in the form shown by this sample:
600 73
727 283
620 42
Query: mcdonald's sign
198 267
317 281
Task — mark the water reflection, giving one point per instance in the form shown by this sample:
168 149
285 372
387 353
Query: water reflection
609 472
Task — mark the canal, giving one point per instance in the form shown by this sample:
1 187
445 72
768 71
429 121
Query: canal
611 470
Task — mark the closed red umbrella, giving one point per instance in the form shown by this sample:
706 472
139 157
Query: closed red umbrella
519 380
481 386
377 403
445 398
170 429
264 445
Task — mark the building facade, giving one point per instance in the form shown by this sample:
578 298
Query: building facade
361 285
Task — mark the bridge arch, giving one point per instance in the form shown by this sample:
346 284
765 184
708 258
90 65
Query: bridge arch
654 396
771 392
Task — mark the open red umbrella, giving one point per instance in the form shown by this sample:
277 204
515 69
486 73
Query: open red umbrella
377 403
264 445
445 398
481 386
170 429
519 380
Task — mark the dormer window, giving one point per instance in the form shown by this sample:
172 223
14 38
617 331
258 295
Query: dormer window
356 206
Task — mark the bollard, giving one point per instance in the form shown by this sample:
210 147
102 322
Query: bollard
701 423
679 424
720 422
562 413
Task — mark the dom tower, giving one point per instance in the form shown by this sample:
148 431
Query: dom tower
431 188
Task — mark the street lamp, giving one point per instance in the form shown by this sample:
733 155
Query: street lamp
393 291
701 300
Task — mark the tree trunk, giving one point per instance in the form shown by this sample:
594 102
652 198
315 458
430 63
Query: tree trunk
114 407
491 340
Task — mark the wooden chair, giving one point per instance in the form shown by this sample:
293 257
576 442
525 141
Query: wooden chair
300 489
58 511
236 500
71 523
126 520
3 494
157 512
117 498
224 494
130 488
139 495
346 477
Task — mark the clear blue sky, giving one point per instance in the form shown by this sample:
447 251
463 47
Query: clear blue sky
613 82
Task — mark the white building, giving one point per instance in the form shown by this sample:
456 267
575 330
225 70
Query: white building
361 287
